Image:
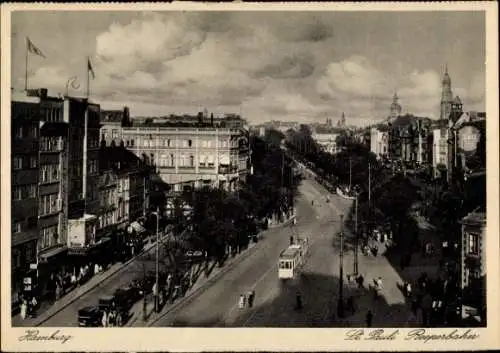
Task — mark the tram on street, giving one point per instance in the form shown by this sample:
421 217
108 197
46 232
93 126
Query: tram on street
292 258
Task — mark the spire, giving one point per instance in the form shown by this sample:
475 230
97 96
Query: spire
395 97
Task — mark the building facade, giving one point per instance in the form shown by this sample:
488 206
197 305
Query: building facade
473 260
192 155
25 118
379 142
328 141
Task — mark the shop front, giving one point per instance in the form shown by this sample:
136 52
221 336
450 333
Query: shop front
51 263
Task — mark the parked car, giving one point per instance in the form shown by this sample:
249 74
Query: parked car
121 301
90 316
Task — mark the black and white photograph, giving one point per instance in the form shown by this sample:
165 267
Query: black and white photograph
248 169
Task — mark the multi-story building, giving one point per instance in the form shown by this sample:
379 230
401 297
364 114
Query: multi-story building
111 125
379 141
473 261
25 114
440 149
328 141
192 154
83 191
39 188
122 188
53 187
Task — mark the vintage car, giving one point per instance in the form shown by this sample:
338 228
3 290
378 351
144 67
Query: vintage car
121 302
90 316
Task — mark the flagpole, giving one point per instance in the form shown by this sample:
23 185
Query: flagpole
26 72
87 93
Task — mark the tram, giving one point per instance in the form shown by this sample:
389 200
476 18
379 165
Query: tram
292 258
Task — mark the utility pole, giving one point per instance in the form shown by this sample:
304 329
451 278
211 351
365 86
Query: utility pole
350 173
157 263
356 237
340 304
369 184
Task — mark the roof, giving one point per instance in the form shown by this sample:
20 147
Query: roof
290 252
474 218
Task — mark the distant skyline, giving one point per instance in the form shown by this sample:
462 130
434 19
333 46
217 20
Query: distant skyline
298 66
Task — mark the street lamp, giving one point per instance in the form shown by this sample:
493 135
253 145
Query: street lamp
356 237
157 265
340 304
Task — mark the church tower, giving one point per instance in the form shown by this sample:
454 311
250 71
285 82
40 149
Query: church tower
395 108
446 95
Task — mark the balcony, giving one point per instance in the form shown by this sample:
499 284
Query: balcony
228 169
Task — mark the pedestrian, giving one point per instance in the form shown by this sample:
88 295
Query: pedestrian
350 304
408 289
24 308
104 319
375 251
251 297
298 301
111 318
361 280
369 318
57 291
242 301
33 306
96 269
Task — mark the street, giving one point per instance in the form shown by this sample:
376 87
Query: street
273 306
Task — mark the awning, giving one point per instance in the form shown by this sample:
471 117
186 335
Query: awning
48 254
137 227
87 249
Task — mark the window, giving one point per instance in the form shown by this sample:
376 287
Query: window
114 134
48 204
33 162
49 173
17 193
172 160
48 237
18 163
473 244
190 143
34 130
16 258
167 143
31 190
93 166
16 227
19 132
191 160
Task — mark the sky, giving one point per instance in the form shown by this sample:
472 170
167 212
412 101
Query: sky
292 66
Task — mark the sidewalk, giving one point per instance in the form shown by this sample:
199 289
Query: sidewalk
47 310
198 286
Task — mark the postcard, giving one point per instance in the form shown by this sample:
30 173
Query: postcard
249 176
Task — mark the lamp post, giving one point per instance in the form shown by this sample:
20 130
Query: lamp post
340 304
356 237
157 264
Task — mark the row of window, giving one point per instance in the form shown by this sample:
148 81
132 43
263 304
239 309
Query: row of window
52 114
22 132
49 204
51 144
181 143
23 192
24 162
108 197
473 244
29 253
49 237
93 166
50 173
106 219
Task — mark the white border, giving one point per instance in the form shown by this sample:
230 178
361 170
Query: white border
186 339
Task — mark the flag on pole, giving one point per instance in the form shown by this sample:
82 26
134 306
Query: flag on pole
90 68
33 49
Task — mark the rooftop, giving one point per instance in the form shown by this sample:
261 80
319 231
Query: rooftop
476 217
